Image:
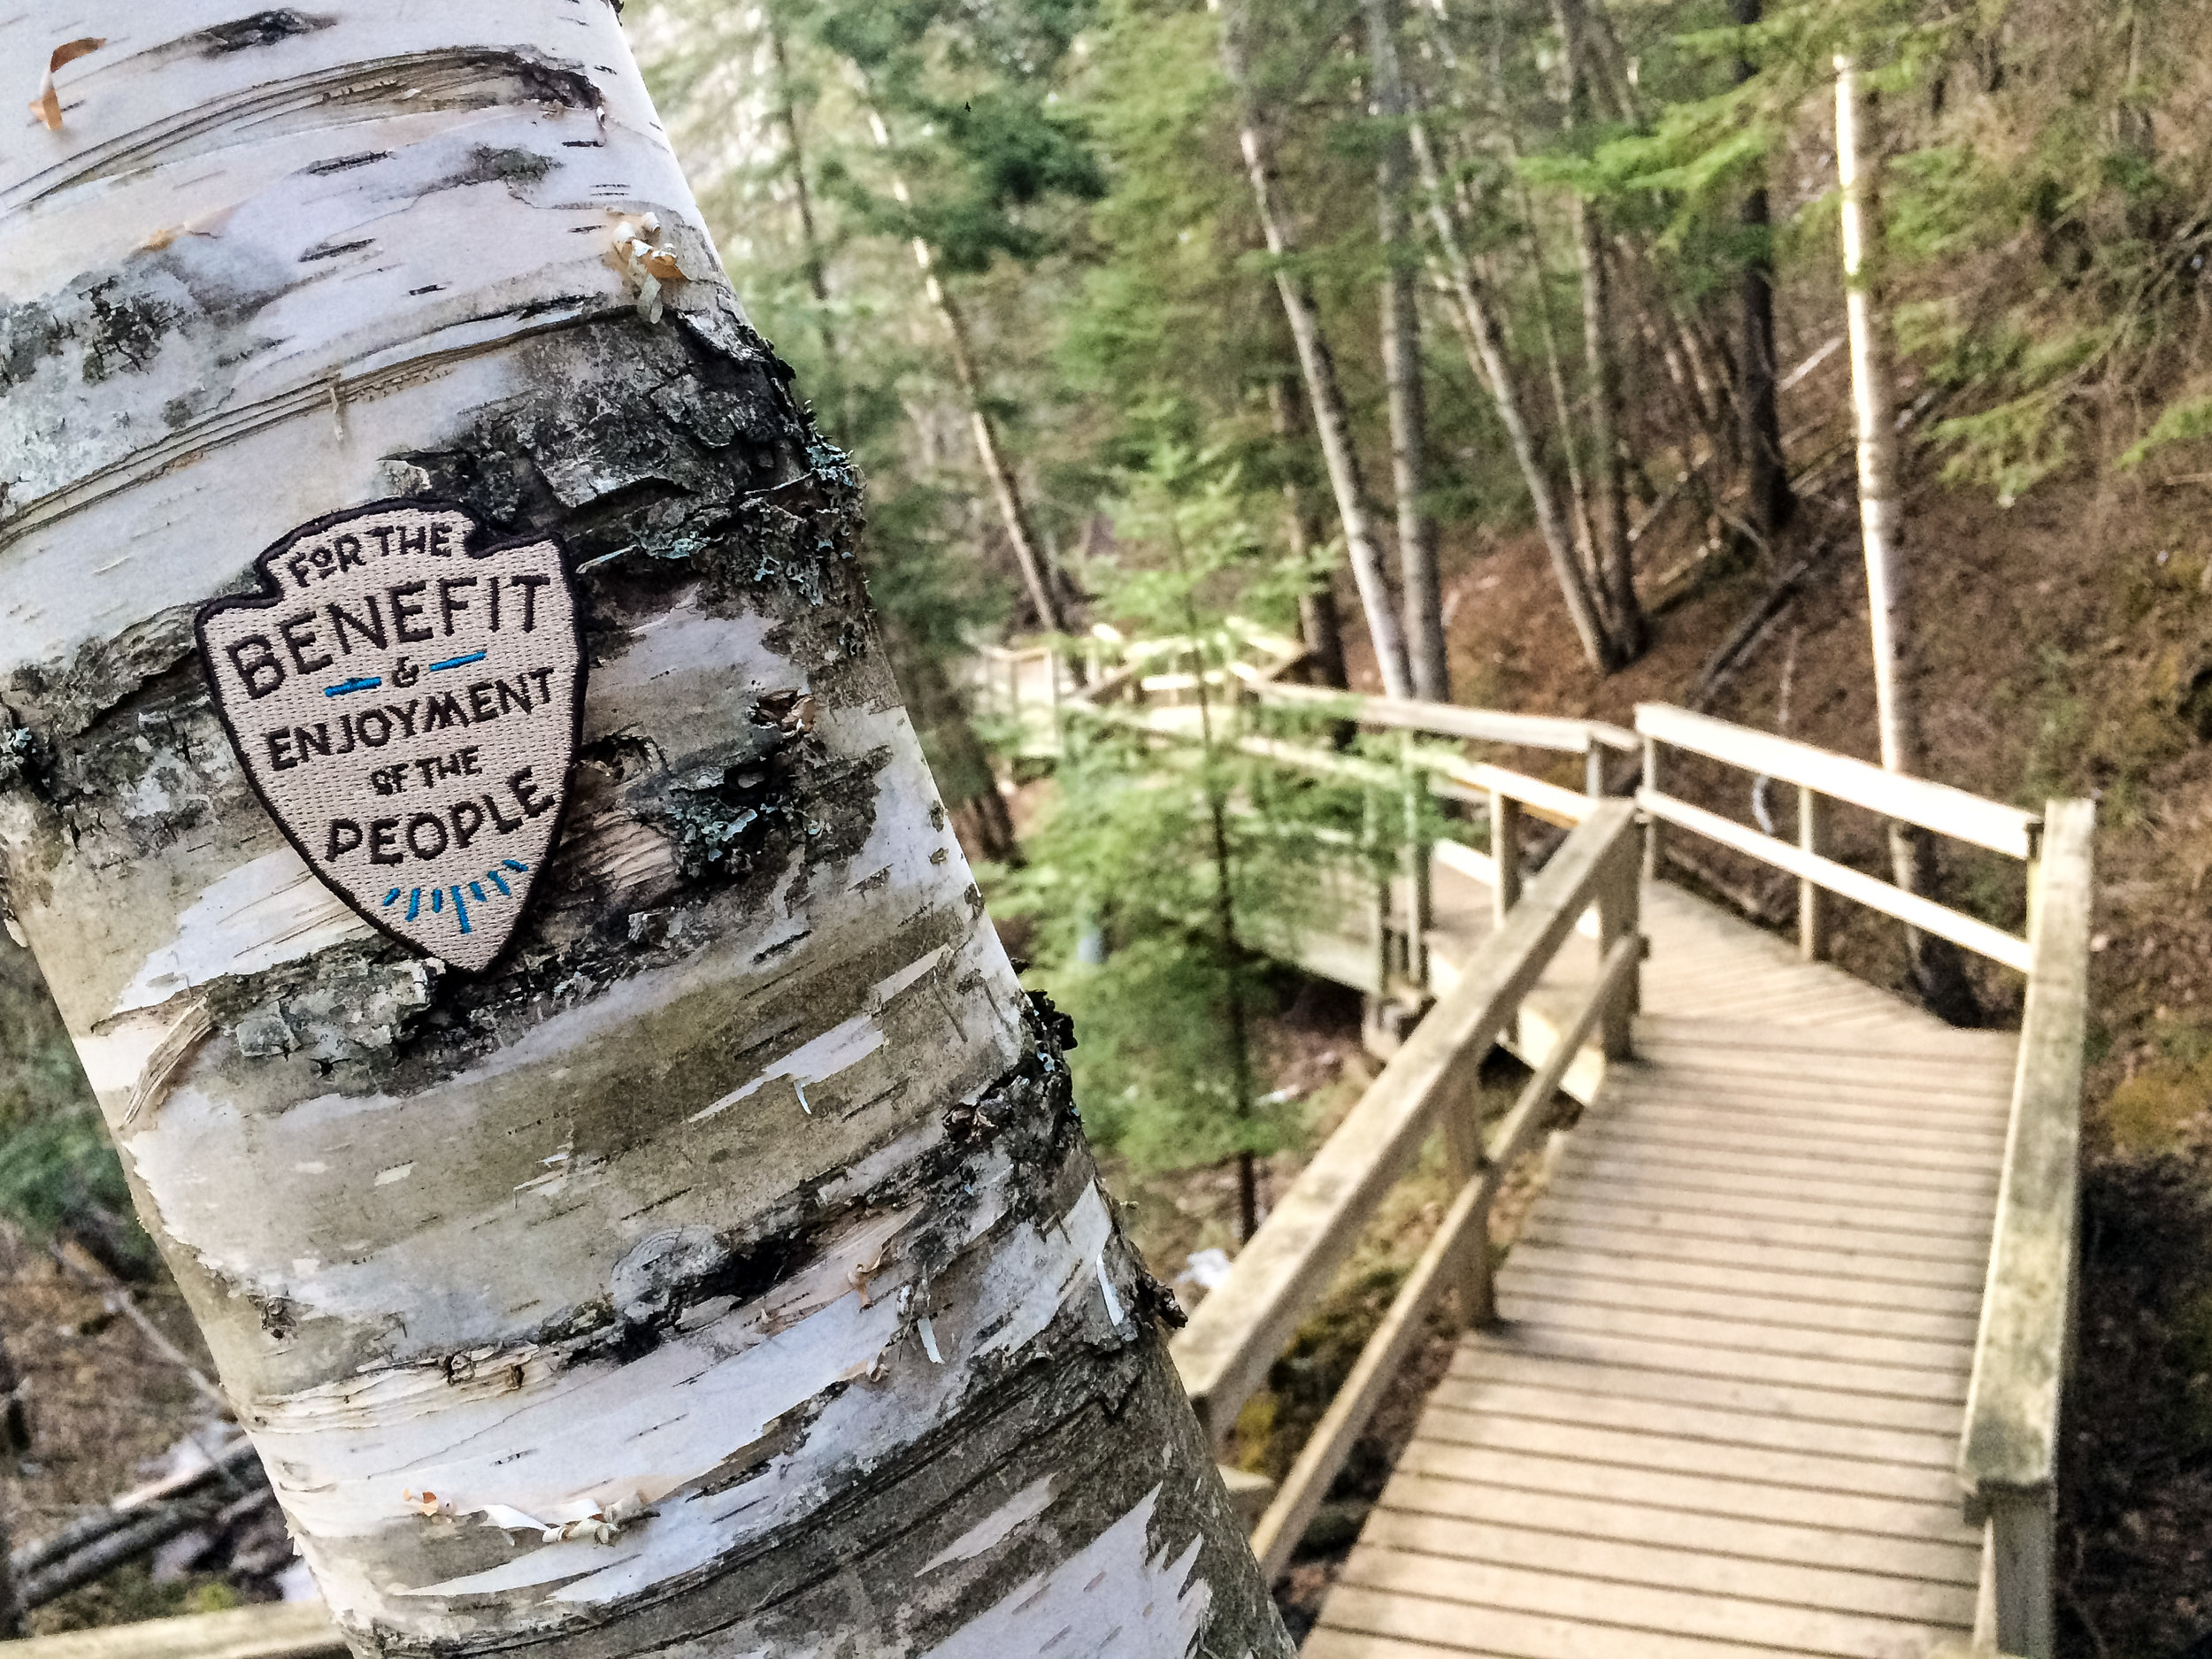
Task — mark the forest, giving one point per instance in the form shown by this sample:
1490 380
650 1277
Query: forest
1838 368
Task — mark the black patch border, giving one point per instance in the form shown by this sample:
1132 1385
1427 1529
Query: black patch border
272 594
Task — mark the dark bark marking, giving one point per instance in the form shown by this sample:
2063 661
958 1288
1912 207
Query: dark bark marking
263 28
346 163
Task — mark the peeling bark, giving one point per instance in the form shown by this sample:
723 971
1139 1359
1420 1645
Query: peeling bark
721 1271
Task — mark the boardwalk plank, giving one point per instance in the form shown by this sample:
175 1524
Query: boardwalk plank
1554 1402
1914 1359
1720 1419
1797 1585
1709 1495
1656 1449
1642 1608
1571 1226
1619 1263
1627 1521
1523 1279
1448 1625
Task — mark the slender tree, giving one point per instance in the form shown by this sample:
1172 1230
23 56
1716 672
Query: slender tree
1486 352
1616 556
1038 576
679 1241
1320 624
1316 366
1936 965
813 259
1770 500
1431 672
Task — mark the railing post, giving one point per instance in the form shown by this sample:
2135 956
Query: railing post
1812 909
1420 900
2020 1549
1463 1160
1594 770
1370 843
1620 913
1651 824
1505 847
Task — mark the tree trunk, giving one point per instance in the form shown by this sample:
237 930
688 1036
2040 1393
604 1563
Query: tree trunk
1487 343
1563 409
1038 576
1771 501
810 237
717 1268
1615 554
15 1440
1318 367
1936 965
1430 671
1319 623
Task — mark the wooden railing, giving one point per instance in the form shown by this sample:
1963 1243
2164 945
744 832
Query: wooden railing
1236 1334
273 1630
1821 777
2008 1447
2009 1454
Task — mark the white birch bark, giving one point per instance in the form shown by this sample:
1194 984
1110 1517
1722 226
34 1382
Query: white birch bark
1937 968
1874 414
724 1259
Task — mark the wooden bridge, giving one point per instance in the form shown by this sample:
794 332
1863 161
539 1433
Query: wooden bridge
1775 1364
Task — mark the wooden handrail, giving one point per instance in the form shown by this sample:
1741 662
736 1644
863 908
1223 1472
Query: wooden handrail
1875 894
1464 1232
1936 806
1238 1330
273 1630
2008 1453
1449 719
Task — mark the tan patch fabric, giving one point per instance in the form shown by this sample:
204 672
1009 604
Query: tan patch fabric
404 695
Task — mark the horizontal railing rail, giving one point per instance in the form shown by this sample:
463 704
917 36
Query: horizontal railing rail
1820 778
1455 1259
1237 1332
272 1630
2008 1452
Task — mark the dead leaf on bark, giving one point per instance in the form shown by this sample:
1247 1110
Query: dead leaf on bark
47 106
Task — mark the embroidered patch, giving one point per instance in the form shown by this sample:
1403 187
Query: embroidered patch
404 695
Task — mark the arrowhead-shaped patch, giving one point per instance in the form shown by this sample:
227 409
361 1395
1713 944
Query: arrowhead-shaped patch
404 694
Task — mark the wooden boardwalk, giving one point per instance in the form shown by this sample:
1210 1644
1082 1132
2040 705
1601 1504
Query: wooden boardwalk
1719 1416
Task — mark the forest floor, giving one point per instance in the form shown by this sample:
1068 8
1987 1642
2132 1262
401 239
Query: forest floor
109 1412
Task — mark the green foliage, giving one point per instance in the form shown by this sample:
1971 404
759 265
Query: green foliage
1184 866
55 1170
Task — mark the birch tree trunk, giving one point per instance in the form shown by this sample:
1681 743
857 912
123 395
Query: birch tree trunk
718 1270
1317 366
1486 343
1430 671
1771 501
1936 965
